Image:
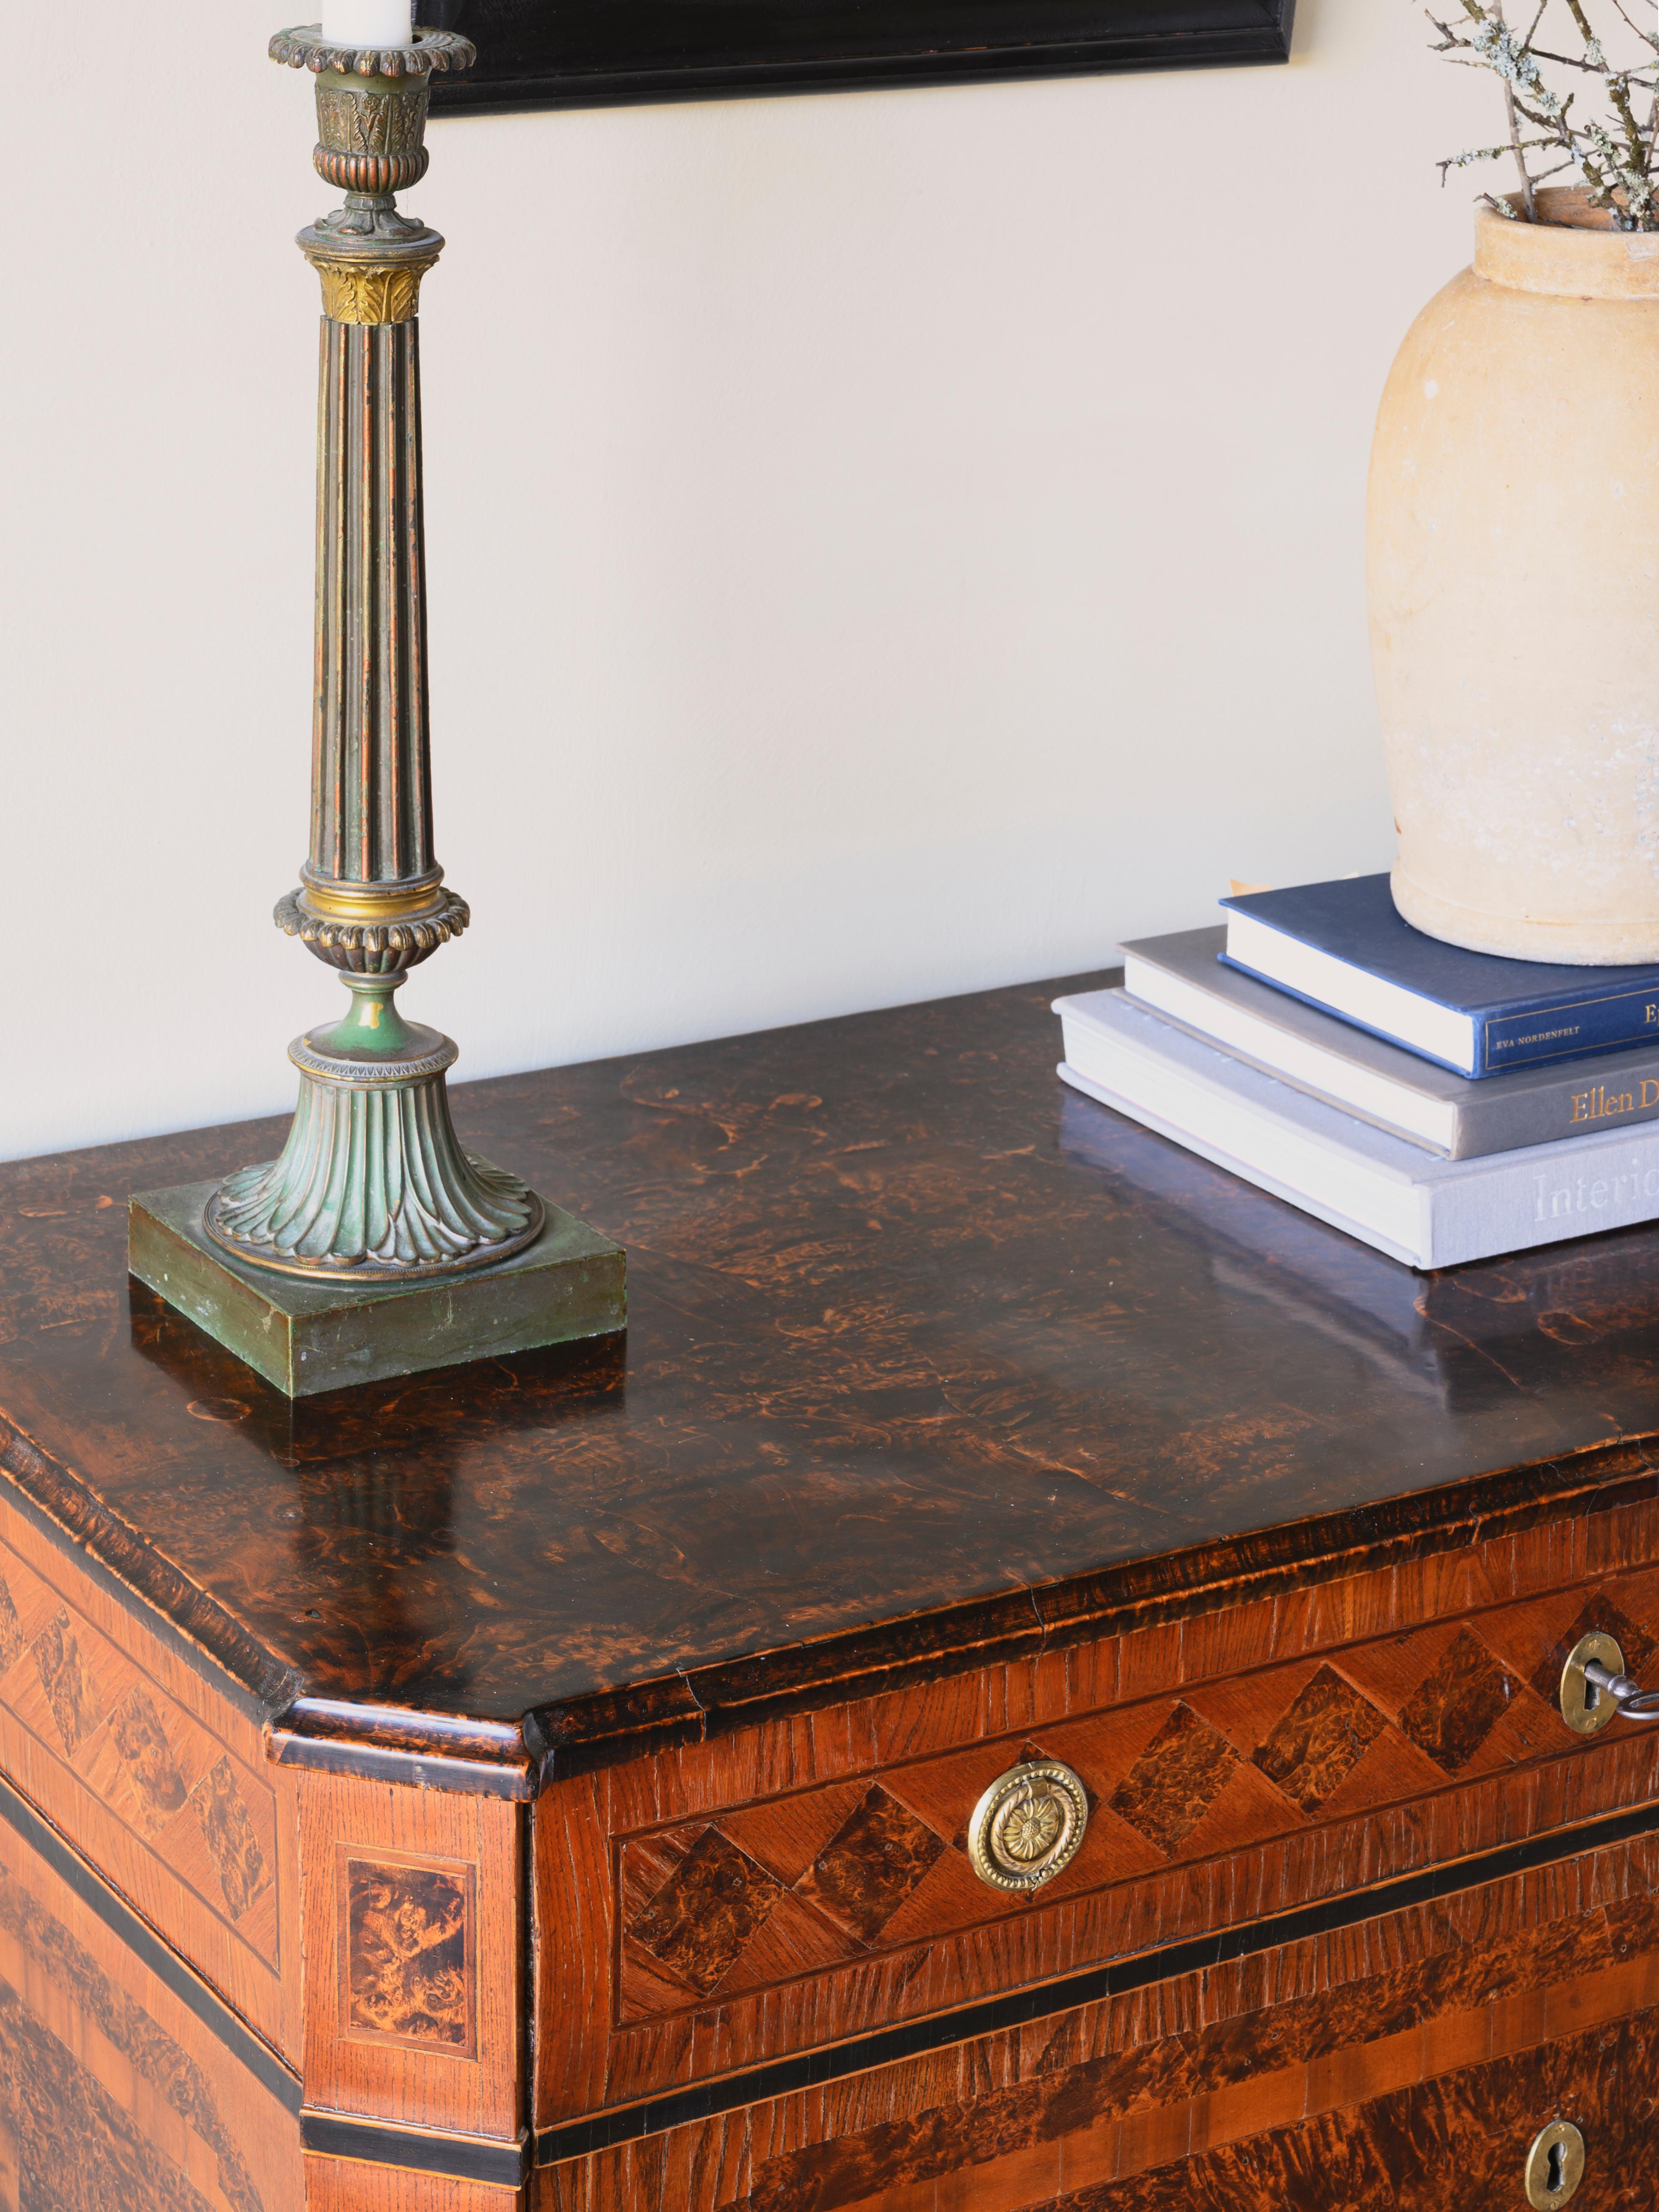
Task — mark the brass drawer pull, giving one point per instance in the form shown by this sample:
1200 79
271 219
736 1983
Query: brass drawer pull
1595 1689
1028 1825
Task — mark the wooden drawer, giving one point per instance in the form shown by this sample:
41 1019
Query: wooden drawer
807 1882
1400 2064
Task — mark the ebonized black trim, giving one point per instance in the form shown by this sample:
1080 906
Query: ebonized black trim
533 53
471 1778
457 2158
396 1743
1020 2007
125 1924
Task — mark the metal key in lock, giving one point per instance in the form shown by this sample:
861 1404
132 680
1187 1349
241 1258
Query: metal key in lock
1595 1689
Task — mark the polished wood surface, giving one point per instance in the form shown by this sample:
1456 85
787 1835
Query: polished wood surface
1405 2063
926 1354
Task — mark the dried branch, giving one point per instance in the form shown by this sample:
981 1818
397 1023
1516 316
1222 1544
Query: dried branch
1614 151
1520 152
1649 37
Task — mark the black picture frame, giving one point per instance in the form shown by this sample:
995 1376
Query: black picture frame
566 53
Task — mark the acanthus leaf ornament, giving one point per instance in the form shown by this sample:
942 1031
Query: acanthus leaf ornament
354 292
352 121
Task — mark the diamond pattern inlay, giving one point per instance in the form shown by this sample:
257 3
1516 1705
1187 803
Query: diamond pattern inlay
1602 1613
870 1864
1316 1745
69 1693
1175 1780
700 1920
141 1741
1327 1735
1458 1703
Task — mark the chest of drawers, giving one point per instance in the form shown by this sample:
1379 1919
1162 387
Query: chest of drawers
553 1783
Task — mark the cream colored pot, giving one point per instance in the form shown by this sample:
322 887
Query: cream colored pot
1514 581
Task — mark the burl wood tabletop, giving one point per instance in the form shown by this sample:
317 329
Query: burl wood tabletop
925 1350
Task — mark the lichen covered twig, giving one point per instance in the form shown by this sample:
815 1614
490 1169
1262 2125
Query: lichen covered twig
1615 151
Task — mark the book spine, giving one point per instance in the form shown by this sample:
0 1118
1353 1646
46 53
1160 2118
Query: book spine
1579 1104
1544 1197
1550 1030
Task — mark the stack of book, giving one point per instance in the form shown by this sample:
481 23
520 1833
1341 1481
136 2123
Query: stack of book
1441 1105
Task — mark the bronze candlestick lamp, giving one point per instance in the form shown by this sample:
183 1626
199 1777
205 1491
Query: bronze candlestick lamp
374 1245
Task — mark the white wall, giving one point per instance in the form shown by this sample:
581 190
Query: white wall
882 545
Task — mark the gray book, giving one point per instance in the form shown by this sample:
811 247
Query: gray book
1429 1213
1181 977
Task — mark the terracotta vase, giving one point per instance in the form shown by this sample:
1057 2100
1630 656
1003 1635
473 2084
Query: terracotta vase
1514 581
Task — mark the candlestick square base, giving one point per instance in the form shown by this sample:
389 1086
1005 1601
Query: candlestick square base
306 1337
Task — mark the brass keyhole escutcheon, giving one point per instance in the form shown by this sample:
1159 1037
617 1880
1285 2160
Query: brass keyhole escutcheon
1585 1708
1555 2163
1028 1825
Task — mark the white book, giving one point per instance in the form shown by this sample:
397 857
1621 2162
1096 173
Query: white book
1427 1211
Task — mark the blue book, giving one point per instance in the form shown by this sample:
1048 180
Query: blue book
1344 947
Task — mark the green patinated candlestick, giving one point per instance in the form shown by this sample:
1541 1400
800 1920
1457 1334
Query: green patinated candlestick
372 1191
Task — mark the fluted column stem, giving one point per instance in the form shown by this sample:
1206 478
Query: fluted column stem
371 819
372 1182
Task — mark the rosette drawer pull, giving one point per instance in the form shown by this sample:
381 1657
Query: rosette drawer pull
1595 1689
1028 1825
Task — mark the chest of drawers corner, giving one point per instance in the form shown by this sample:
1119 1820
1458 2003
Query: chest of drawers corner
561 1785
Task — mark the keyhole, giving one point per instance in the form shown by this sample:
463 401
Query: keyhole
1555 2166
1592 1695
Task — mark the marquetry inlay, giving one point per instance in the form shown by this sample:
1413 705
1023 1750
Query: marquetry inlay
184 1796
407 1946
774 1893
88 2075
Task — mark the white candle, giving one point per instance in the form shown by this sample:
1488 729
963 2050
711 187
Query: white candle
369 22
